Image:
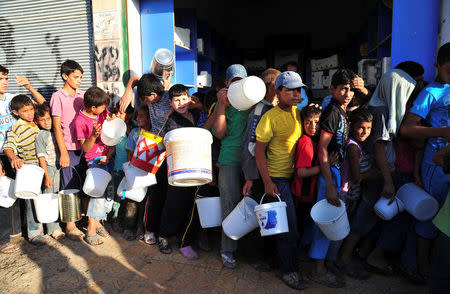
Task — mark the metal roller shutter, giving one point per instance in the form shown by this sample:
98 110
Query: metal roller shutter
36 36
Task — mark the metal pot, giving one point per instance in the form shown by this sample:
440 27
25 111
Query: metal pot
162 63
69 205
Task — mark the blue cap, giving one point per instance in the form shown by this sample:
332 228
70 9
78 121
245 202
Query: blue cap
290 80
236 71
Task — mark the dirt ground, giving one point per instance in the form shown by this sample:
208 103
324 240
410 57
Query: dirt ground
120 266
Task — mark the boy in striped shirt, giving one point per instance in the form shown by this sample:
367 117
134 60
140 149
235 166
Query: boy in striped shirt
20 149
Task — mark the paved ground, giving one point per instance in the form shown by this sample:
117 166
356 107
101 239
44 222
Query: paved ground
120 266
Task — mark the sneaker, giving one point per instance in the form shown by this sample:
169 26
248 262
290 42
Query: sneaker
227 260
294 281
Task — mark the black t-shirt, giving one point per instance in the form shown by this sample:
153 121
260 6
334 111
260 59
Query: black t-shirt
334 120
176 120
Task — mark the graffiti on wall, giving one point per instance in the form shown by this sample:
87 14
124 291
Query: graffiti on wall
107 61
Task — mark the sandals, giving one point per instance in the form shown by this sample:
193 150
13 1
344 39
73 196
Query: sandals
75 234
150 239
164 246
129 235
327 279
8 248
228 261
294 281
386 271
57 235
102 232
39 240
355 271
93 240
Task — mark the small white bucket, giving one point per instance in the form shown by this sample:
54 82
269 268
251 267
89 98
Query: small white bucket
332 220
386 211
7 197
417 202
28 181
97 180
113 131
137 178
245 93
188 153
136 194
272 217
242 219
209 211
46 207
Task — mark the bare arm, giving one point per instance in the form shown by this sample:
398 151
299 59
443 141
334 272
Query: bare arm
210 121
411 128
304 172
383 165
220 121
47 176
261 162
16 161
128 96
23 81
353 158
438 157
64 159
325 169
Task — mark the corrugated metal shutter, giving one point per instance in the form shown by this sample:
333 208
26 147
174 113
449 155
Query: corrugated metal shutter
36 36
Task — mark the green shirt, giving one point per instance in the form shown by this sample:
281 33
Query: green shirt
230 149
442 219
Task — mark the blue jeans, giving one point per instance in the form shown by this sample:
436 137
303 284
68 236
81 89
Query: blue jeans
34 228
98 208
287 242
321 247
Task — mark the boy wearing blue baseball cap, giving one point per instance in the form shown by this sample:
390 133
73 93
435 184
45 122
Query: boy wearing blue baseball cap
276 135
228 126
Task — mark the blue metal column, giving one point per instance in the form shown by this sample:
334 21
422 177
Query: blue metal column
414 33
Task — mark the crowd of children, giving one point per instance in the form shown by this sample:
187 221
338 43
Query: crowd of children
358 146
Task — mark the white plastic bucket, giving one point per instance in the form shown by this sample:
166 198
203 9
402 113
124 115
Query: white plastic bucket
136 177
136 194
417 202
272 217
7 197
28 181
385 211
188 153
242 219
332 220
113 131
96 181
46 207
209 211
245 93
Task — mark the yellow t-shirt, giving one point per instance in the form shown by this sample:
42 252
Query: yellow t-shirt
281 130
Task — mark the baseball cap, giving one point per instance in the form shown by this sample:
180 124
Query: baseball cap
290 80
235 71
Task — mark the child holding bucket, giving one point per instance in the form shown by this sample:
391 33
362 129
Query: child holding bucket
276 135
178 216
432 105
133 212
20 149
46 154
333 138
88 124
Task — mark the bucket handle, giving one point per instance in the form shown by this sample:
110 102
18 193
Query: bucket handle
78 175
262 198
99 158
123 194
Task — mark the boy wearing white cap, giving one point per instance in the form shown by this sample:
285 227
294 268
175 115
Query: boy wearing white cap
276 135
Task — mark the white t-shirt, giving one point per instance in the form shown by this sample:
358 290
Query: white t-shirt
7 119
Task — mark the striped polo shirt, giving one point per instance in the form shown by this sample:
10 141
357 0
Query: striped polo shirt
21 139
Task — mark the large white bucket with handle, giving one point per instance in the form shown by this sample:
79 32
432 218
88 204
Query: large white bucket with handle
7 197
97 180
113 131
28 181
209 211
136 194
242 219
245 93
188 152
137 178
272 217
417 202
386 211
332 220
47 207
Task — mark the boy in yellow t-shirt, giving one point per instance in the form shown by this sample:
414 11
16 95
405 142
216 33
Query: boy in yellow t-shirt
278 133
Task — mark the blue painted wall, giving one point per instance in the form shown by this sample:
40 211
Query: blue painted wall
414 33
